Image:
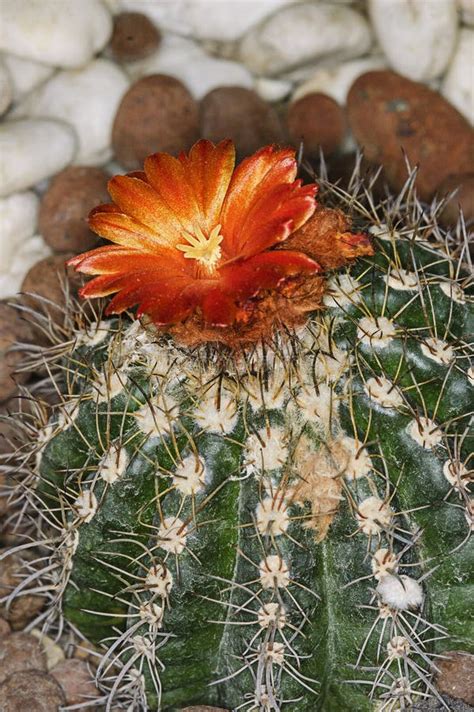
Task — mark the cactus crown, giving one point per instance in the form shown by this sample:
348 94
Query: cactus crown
282 528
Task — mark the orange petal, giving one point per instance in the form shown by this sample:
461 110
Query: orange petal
124 230
116 260
218 308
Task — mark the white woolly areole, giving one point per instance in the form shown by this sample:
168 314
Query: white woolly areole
151 613
342 291
270 392
272 615
43 438
469 513
217 411
400 593
401 280
373 515
107 386
95 333
384 562
470 375
68 547
274 571
172 535
377 332
113 464
383 392
143 646
272 516
457 474
453 291
266 450
274 653
425 432
68 414
159 580
320 405
398 647
437 350
359 463
190 475
157 417
86 505
384 232
330 365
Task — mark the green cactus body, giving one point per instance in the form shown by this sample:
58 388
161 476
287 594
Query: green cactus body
281 529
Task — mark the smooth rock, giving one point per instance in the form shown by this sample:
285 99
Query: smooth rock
20 651
239 114
53 652
18 218
318 121
48 282
4 626
25 74
417 37
25 256
302 33
156 114
336 80
206 19
134 37
458 82
388 113
467 11
64 34
6 87
185 60
33 149
25 607
12 329
76 680
272 89
31 690
86 98
66 204
456 675
463 199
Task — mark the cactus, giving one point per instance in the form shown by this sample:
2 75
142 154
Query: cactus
282 524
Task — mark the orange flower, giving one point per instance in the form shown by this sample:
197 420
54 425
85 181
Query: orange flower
194 236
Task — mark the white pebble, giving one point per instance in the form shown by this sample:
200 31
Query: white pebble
417 37
19 214
458 84
336 80
86 98
302 33
272 89
65 33
33 149
467 11
400 592
6 87
25 74
26 254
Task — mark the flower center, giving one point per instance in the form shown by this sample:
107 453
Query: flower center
205 250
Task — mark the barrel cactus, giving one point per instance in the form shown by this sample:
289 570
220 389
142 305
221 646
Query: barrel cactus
255 494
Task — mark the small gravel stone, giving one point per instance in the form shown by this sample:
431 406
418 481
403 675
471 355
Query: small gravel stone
19 214
388 112
20 651
134 37
25 607
76 680
25 74
47 279
4 628
26 254
66 204
456 676
156 114
464 198
318 121
6 87
12 329
239 114
33 149
31 690
458 86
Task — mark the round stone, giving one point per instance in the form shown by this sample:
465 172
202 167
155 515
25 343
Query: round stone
240 114
455 675
13 328
46 282
388 113
318 121
134 37
462 200
76 680
31 690
66 204
156 114
24 608
20 651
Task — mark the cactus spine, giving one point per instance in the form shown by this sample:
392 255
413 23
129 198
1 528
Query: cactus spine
281 528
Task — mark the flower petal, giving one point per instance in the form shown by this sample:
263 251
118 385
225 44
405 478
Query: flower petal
124 230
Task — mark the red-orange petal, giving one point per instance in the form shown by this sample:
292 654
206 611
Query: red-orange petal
124 230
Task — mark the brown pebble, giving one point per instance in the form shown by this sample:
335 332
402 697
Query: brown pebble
76 681
456 676
47 280
20 651
157 113
134 37
25 607
464 199
243 116
4 628
31 690
66 204
388 113
13 328
318 121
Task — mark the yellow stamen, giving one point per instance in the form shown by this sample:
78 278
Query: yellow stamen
201 248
